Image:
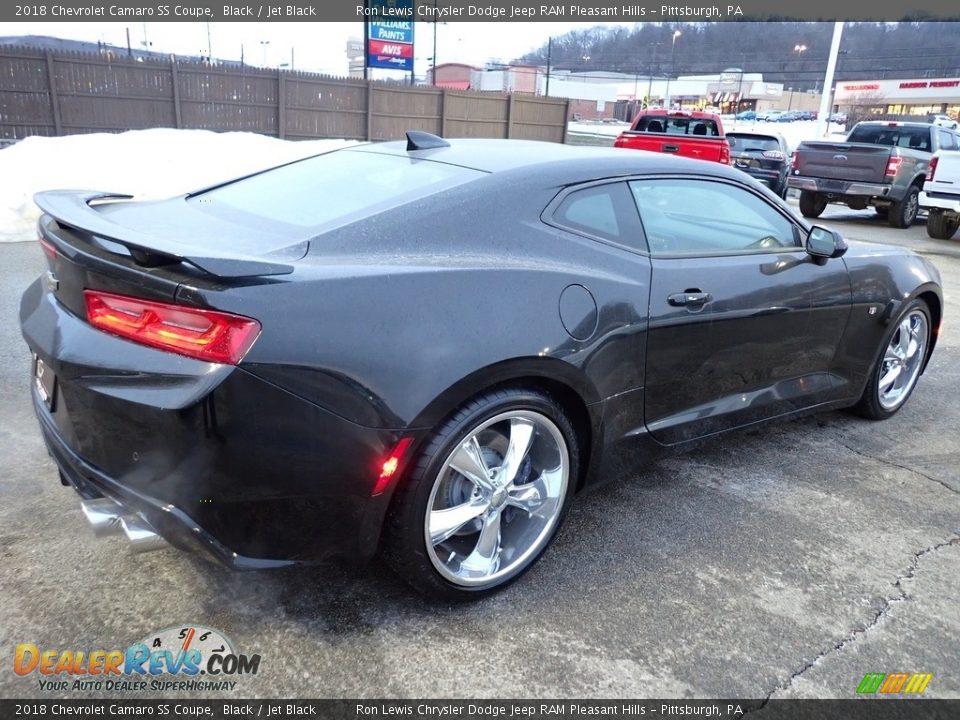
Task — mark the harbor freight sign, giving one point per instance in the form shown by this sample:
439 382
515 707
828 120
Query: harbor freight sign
389 35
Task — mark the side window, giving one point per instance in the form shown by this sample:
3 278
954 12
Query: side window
947 141
604 211
700 217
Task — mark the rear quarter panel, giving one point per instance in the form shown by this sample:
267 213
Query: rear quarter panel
385 315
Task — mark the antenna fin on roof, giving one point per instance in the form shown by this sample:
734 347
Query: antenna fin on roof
419 140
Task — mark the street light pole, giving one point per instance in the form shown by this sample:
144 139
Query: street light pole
673 48
740 87
650 75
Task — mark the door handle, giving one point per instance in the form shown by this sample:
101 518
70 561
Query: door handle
688 298
670 148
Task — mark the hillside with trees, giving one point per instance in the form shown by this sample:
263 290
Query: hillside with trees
793 53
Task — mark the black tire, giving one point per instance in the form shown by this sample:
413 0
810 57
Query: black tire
869 405
405 542
812 204
903 213
882 212
940 226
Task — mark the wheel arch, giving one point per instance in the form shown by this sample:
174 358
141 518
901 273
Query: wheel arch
935 303
563 381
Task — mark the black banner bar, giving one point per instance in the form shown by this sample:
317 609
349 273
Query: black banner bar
480 11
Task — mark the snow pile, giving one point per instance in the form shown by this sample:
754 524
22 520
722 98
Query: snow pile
151 164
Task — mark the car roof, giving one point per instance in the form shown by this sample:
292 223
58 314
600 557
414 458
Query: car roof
757 133
894 123
576 163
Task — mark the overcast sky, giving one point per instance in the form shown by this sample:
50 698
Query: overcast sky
319 47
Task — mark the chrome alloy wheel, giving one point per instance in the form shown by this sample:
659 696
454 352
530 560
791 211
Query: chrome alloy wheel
902 360
497 498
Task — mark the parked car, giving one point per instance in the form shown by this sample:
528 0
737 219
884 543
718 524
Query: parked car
944 121
881 164
789 117
808 115
429 348
747 115
941 194
764 156
838 118
678 132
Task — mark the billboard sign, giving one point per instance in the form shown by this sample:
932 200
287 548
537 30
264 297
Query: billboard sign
390 34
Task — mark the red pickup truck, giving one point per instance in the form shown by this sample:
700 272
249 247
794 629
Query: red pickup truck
691 134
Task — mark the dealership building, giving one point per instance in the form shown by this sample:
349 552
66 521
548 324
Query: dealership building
921 96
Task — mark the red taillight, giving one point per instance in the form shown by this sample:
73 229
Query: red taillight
206 335
47 247
794 161
390 466
932 170
725 153
893 166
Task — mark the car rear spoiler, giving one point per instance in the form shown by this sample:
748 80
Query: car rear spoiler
74 209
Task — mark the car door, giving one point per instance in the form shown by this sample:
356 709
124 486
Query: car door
744 323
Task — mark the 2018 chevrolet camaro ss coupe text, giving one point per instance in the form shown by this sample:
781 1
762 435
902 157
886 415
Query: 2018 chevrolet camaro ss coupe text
428 349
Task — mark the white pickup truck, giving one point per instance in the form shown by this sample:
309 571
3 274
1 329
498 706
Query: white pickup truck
941 195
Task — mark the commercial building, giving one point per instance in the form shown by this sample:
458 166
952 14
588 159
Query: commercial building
919 96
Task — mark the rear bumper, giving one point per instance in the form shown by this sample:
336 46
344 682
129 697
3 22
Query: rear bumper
841 188
213 457
938 200
171 523
774 179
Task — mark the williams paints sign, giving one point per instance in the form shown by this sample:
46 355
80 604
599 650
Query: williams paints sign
390 40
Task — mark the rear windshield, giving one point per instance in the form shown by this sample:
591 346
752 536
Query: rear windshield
676 126
746 143
330 189
906 137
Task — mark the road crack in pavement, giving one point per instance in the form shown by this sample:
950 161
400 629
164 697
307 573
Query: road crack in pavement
882 612
891 463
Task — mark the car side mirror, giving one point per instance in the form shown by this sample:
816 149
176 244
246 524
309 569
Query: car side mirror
825 244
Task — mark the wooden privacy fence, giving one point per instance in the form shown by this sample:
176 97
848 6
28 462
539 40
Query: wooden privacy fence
51 93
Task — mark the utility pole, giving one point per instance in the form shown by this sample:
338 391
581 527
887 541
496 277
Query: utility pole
433 72
825 98
366 41
549 59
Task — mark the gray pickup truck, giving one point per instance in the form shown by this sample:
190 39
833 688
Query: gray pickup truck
880 164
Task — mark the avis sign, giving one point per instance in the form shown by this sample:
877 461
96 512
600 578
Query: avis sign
390 34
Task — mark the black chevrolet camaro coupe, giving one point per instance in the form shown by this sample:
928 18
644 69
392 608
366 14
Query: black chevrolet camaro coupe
427 349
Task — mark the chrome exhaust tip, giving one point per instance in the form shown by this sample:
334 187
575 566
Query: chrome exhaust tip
103 514
143 538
